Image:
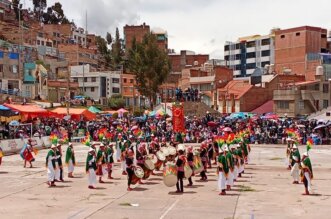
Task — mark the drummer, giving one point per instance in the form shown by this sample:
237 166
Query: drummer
190 157
204 158
129 167
180 171
140 156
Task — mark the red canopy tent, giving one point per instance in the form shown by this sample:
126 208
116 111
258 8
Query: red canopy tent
76 114
28 111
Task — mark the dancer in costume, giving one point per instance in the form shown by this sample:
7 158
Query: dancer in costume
129 167
51 165
295 170
70 160
90 168
222 172
109 160
180 171
101 162
306 173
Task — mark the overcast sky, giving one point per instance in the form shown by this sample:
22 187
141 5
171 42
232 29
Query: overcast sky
198 25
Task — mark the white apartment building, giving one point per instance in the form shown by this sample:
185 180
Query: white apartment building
249 53
96 85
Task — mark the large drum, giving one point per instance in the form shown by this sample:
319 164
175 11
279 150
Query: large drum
172 150
197 165
138 174
153 158
160 159
165 151
149 164
170 175
187 171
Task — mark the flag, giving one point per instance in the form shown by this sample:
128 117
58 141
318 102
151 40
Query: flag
1 153
54 139
309 144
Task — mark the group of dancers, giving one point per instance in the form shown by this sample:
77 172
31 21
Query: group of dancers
300 166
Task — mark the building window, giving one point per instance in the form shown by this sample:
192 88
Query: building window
115 80
13 69
250 55
84 89
124 80
251 66
116 90
226 58
325 88
301 105
38 42
75 79
92 89
250 44
323 36
238 57
93 79
325 103
317 87
266 53
131 81
283 104
238 46
226 48
42 43
265 42
85 79
282 36
265 63
297 34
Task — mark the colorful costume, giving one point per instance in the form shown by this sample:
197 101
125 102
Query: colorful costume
70 160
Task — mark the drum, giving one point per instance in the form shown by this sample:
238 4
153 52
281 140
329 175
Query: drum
149 164
197 165
172 150
165 151
187 171
170 175
138 174
147 172
160 156
152 157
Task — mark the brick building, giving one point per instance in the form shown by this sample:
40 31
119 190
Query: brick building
131 32
186 58
293 46
77 55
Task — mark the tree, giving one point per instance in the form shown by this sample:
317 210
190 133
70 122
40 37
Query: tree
116 101
117 51
39 7
55 15
104 52
16 5
109 38
150 65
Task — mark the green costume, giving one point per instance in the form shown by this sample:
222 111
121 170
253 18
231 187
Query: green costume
90 162
223 164
109 155
230 160
101 157
306 166
70 155
295 153
50 153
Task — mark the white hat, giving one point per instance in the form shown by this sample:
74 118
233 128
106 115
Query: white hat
226 148
70 144
181 147
238 145
58 145
288 139
295 146
305 154
220 151
102 145
53 146
91 149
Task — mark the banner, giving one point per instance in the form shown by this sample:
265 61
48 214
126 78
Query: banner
178 118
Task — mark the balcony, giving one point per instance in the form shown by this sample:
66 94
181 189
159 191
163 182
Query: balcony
62 84
202 80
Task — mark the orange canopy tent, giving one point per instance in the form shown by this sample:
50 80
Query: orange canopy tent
75 113
28 111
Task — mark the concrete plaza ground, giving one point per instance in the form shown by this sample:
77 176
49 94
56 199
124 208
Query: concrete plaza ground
265 191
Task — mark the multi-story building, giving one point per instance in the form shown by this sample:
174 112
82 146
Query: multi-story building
296 47
186 59
162 38
249 53
129 90
10 73
77 55
96 85
137 32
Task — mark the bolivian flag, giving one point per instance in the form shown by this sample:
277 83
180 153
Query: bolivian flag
309 144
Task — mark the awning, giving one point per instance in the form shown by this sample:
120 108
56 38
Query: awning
28 111
93 109
75 113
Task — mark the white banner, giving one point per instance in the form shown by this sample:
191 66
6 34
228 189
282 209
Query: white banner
15 145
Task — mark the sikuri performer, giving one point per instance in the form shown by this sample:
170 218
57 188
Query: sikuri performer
51 166
180 171
90 168
101 162
190 157
222 172
306 173
70 160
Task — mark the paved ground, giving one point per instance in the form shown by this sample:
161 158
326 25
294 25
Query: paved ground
265 191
